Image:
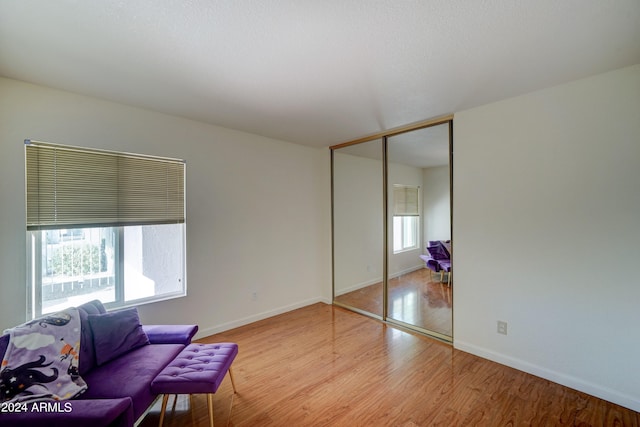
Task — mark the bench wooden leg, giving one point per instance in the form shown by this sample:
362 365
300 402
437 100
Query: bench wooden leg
191 406
165 398
210 404
233 383
175 401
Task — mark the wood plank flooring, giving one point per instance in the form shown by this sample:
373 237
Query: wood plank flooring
417 298
325 366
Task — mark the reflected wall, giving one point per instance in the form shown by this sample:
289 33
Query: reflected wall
358 227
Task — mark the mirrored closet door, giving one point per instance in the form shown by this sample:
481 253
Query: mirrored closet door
391 201
357 182
419 230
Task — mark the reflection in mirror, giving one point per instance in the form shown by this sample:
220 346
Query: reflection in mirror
419 227
357 227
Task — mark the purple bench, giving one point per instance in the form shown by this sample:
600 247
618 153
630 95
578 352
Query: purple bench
199 368
438 259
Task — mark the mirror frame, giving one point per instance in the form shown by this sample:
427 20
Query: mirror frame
384 135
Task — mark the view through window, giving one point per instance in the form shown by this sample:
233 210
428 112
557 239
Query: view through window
117 265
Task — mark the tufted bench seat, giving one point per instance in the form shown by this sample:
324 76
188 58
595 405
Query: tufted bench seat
198 368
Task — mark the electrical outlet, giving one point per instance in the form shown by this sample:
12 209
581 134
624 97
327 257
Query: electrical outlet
254 296
502 327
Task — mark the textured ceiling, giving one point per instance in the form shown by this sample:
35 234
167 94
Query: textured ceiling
315 72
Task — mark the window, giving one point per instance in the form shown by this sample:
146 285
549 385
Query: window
406 216
102 225
405 233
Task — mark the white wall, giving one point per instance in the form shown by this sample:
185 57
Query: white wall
547 233
257 211
357 217
436 204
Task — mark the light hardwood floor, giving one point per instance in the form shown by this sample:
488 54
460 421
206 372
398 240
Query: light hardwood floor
325 366
418 298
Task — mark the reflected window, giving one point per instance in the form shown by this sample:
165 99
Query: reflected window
406 217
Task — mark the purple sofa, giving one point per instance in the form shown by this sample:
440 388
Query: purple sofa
119 392
438 257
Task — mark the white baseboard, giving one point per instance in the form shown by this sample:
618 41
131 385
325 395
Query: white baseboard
407 271
378 280
205 332
551 375
358 286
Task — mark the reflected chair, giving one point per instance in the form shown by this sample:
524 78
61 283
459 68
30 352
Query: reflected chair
438 259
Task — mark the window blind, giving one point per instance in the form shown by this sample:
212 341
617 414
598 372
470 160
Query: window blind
405 200
71 187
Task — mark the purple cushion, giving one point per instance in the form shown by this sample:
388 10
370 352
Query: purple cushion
199 368
93 307
131 375
116 333
445 264
87 353
170 334
434 265
446 244
438 252
4 343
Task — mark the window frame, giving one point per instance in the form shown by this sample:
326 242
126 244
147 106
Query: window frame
36 231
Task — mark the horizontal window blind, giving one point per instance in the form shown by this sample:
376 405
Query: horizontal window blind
71 187
405 200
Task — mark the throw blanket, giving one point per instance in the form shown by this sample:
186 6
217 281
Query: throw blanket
41 361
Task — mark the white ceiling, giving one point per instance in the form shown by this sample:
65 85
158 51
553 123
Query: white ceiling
421 148
314 72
